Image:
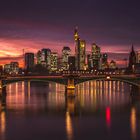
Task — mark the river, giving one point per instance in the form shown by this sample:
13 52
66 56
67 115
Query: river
101 110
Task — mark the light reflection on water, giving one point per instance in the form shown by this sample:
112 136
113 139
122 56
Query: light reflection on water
2 124
133 122
100 101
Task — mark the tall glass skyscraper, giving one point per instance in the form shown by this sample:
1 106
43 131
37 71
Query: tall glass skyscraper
65 54
54 61
80 48
29 61
96 55
44 58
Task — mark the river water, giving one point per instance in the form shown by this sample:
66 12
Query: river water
101 110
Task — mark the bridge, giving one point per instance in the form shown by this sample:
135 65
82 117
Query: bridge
69 80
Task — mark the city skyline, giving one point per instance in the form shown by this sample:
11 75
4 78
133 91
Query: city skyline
33 25
121 60
69 69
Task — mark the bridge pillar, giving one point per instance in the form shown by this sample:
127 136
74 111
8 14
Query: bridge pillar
70 88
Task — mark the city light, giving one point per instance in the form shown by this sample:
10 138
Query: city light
108 77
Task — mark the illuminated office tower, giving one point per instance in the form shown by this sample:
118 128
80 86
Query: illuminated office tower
65 54
54 61
46 58
29 61
77 43
7 68
39 58
89 61
80 47
14 67
96 56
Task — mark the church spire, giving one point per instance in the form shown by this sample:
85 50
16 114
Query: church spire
132 59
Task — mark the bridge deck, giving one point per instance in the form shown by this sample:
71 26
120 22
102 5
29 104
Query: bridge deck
131 79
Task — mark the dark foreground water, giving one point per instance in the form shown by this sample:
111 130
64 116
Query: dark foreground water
100 111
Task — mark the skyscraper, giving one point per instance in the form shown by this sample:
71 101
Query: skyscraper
65 54
132 60
46 57
71 63
29 61
89 61
14 67
80 48
39 58
96 55
54 61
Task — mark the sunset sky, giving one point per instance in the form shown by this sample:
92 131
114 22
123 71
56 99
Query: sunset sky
34 24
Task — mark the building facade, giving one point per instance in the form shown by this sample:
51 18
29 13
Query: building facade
96 56
54 61
66 51
29 61
12 68
44 58
89 62
80 51
39 58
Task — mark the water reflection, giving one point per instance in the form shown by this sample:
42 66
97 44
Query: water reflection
108 117
2 123
69 127
102 100
133 122
70 105
29 88
92 95
70 111
101 94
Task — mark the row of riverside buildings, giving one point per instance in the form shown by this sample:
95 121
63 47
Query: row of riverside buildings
81 61
47 61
